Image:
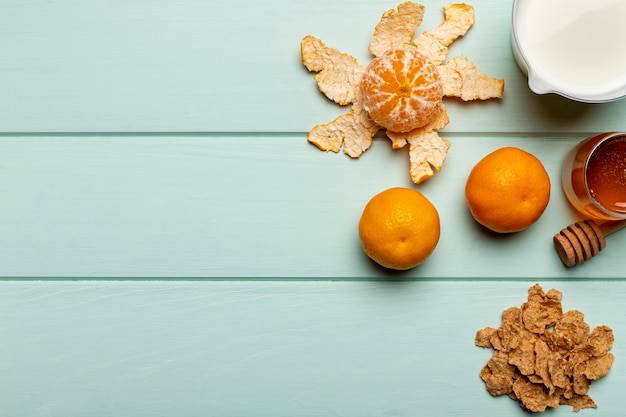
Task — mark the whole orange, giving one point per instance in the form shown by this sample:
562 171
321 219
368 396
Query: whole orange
399 228
508 190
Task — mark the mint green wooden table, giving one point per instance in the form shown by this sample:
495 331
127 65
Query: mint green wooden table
171 245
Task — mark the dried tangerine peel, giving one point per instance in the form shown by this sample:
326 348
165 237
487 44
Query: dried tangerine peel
427 150
544 357
354 131
337 74
460 78
458 19
340 77
396 28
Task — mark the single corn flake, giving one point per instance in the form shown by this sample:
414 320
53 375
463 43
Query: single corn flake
544 357
598 366
601 340
570 331
534 397
541 311
483 337
578 402
524 356
498 374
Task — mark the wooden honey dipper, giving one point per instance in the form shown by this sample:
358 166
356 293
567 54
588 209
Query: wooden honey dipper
583 240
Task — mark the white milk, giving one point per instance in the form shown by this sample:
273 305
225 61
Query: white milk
582 42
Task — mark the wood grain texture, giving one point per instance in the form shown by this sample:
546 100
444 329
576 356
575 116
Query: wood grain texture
220 66
266 206
154 171
270 348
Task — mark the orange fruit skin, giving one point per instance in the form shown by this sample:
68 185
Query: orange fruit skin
401 90
399 228
508 190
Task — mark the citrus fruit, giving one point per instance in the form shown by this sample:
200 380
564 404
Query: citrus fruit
399 228
400 90
508 190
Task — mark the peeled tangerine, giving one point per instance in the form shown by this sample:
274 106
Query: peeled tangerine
401 90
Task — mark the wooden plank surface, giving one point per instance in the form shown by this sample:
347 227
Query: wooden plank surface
262 206
272 348
170 244
222 66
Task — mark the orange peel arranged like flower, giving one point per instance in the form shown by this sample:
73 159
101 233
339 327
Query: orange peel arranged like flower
401 90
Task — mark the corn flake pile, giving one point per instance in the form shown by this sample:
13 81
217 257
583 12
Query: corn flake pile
544 357
338 76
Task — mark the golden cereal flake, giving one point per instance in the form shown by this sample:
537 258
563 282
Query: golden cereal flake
498 374
601 340
598 366
511 330
544 357
570 331
534 397
578 402
581 383
541 311
483 337
558 372
523 356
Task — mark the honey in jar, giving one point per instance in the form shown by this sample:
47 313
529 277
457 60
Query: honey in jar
606 175
594 176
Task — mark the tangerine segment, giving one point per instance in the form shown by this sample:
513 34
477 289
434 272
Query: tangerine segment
401 90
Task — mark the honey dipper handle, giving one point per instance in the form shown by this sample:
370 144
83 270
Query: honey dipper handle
610 226
579 242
